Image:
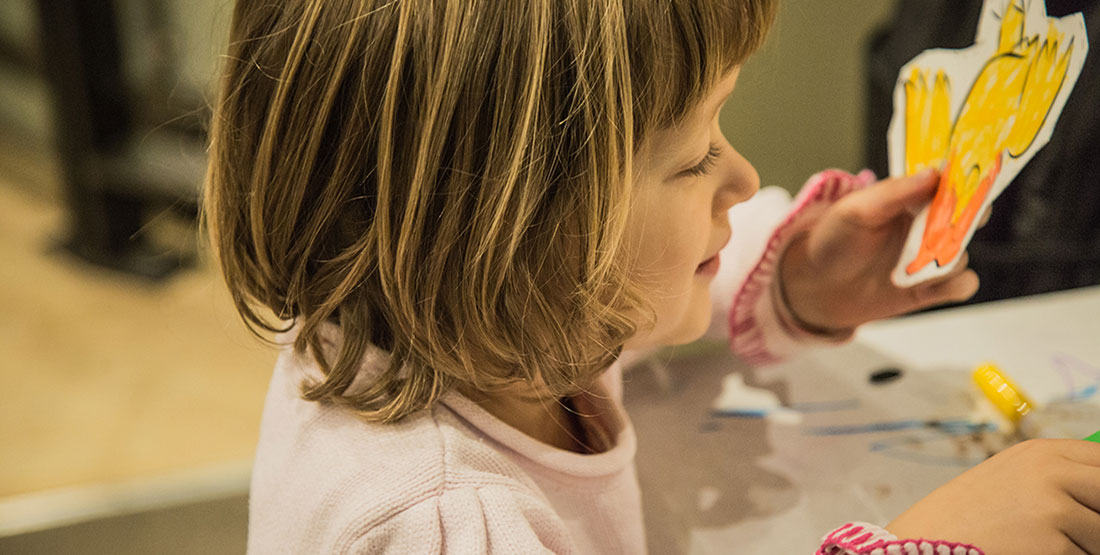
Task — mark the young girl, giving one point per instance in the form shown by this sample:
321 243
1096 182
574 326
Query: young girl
462 212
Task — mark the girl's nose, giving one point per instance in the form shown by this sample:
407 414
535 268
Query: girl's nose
740 183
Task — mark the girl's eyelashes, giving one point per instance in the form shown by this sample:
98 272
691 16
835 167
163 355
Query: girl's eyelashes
706 164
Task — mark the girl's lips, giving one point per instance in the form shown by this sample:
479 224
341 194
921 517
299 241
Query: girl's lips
709 267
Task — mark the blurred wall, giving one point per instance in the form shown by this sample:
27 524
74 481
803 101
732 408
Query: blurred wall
799 103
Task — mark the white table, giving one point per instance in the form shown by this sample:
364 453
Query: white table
715 484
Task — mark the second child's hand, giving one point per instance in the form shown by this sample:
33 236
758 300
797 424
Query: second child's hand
836 275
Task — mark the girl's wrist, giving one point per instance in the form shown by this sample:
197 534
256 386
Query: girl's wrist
787 278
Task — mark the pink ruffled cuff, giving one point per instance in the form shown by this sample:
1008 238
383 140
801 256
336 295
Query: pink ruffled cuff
762 328
860 538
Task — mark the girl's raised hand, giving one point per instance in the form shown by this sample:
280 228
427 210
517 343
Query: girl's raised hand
836 275
1039 496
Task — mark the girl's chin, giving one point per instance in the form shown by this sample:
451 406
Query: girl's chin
692 325
687 336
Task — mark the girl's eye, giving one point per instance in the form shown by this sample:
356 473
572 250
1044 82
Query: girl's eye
707 163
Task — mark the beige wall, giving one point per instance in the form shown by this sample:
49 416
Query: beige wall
798 107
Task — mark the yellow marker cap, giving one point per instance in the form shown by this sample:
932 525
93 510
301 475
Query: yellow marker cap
1006 396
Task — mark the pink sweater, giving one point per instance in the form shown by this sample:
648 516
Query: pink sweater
455 479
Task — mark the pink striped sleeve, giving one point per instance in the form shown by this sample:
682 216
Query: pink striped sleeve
860 538
761 330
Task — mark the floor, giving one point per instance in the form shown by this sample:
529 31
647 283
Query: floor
108 381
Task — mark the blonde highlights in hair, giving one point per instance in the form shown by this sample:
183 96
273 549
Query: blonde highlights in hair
449 181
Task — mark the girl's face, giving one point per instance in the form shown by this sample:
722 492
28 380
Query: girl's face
687 178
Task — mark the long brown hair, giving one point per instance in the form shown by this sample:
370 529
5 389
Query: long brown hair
449 180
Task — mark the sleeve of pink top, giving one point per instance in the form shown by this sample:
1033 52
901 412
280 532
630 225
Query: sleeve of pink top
860 538
488 519
760 328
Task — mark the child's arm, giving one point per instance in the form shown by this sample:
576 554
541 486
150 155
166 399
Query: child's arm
748 298
837 275
825 267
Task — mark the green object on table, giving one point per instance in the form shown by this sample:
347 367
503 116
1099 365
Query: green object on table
1094 437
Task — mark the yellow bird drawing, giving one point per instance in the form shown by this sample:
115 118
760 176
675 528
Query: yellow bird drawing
1002 114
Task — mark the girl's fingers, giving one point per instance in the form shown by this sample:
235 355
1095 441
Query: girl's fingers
985 217
1082 527
937 286
958 286
1085 453
881 203
964 263
1082 482
1080 479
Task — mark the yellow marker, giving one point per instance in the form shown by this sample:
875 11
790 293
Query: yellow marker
1006 396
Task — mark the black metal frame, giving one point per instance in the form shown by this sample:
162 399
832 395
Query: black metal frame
115 172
